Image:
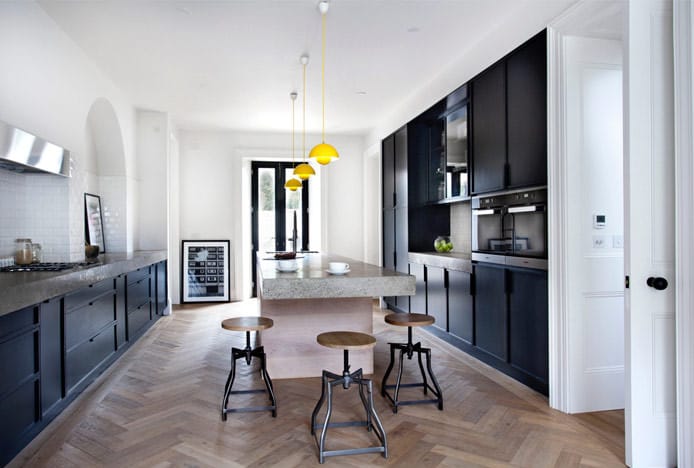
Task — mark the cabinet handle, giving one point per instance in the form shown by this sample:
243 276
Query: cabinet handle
91 340
91 303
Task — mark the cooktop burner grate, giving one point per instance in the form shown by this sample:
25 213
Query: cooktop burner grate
57 266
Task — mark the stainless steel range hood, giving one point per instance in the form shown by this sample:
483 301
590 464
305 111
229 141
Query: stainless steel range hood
20 151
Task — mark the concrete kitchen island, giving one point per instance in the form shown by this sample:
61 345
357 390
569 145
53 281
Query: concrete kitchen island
310 301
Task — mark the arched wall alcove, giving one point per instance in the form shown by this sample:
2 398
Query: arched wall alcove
106 172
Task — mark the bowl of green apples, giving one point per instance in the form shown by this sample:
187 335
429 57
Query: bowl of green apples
443 244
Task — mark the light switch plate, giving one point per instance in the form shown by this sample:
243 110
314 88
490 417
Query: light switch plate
599 242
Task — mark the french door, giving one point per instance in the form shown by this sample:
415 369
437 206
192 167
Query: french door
276 211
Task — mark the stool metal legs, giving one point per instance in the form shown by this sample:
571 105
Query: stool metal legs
409 349
329 381
247 353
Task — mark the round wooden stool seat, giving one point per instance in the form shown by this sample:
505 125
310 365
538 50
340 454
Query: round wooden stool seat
409 320
247 323
346 340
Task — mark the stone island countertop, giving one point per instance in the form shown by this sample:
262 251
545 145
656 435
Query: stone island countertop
312 281
23 289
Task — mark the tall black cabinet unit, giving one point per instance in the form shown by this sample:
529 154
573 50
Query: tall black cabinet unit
509 121
395 241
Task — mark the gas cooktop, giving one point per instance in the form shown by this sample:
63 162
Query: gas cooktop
44 266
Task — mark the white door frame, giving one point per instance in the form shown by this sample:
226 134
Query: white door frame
683 15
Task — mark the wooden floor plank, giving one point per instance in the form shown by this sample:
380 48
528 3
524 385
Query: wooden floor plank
159 405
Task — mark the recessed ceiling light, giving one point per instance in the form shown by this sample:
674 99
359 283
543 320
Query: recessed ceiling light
361 93
184 10
413 29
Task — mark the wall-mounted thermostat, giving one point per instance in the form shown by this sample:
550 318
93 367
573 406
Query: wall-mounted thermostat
599 221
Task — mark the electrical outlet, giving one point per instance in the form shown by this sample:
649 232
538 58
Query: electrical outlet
618 241
599 242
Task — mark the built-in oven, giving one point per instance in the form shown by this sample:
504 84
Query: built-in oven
510 228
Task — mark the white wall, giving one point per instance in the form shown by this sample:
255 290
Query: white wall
152 150
214 190
47 87
595 257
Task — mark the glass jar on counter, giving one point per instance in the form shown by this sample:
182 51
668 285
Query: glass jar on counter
36 253
23 252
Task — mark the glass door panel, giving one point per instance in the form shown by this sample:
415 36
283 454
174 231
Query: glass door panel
266 209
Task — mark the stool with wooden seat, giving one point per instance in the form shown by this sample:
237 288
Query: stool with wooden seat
248 324
346 341
409 321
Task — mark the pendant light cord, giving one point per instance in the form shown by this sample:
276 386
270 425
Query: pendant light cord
323 74
303 138
293 126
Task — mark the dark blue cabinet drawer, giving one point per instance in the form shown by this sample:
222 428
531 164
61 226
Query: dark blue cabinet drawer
17 415
16 321
138 293
88 294
83 323
17 361
86 357
138 275
137 318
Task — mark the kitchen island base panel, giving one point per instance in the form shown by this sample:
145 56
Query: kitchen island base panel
291 346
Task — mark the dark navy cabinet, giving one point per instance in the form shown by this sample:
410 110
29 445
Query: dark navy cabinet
460 313
437 304
395 213
528 323
490 310
509 121
488 126
51 351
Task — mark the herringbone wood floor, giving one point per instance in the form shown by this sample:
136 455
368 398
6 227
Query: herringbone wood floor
159 406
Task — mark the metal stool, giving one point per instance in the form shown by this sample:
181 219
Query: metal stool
409 321
346 340
248 324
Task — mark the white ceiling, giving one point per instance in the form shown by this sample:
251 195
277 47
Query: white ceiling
232 64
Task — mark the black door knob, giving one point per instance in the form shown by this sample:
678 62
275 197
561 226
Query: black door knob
657 283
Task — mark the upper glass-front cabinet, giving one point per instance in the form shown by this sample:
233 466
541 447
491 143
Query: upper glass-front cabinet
457 152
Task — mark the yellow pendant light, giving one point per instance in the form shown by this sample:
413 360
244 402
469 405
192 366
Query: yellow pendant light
304 170
323 153
293 184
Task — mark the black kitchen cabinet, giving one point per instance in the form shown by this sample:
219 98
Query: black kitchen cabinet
418 302
491 328
389 246
162 296
89 332
51 355
526 70
49 352
19 385
401 167
528 322
395 224
138 299
437 305
388 167
121 312
488 127
460 313
509 121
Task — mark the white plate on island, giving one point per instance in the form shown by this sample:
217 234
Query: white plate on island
287 270
343 272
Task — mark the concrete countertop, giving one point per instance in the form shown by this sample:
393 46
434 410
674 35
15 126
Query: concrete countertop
312 281
23 289
460 261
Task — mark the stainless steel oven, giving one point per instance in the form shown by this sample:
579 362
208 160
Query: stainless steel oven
511 228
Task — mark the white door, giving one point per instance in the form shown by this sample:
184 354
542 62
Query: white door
650 240
595 254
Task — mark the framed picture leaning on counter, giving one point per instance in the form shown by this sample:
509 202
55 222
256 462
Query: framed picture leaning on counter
204 271
93 221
